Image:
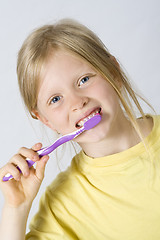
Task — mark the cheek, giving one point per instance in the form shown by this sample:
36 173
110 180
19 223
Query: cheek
51 117
108 95
110 103
59 121
55 119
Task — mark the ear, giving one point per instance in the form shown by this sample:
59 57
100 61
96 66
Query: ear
41 118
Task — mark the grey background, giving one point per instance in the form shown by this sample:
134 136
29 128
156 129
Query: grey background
130 30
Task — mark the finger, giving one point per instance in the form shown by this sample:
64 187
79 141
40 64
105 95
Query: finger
37 146
21 162
29 153
12 170
40 167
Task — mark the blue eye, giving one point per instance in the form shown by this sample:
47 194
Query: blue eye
55 99
84 80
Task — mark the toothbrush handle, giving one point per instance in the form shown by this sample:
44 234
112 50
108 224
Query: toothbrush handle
8 176
45 151
29 162
42 152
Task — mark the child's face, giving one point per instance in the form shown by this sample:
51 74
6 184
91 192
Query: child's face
70 90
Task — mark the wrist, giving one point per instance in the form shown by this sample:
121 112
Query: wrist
22 209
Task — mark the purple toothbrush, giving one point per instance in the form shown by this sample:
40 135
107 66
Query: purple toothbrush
90 123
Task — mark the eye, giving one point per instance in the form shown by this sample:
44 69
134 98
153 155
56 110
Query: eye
55 99
83 80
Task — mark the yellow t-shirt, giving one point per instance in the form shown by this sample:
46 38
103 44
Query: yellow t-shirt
116 197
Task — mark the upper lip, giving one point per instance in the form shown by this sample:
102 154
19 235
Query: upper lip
87 113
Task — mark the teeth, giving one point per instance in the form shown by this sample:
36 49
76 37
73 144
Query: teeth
81 123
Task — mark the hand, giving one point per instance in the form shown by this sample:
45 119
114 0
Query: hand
23 188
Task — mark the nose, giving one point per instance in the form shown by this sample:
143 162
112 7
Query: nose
78 102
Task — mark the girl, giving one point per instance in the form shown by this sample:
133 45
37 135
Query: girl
65 74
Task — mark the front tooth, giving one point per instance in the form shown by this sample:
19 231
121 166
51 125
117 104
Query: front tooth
81 123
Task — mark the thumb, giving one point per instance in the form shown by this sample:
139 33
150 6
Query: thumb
40 167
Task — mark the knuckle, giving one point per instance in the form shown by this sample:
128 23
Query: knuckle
3 169
14 157
8 165
21 149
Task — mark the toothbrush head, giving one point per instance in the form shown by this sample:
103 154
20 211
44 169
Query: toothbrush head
92 122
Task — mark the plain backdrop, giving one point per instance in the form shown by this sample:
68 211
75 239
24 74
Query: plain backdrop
129 28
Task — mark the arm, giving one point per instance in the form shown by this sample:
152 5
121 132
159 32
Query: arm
13 223
20 192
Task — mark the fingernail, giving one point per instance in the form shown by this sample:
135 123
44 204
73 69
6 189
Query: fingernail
37 145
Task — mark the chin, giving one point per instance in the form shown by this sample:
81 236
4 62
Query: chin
91 136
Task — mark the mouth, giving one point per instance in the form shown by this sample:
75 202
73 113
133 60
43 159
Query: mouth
81 122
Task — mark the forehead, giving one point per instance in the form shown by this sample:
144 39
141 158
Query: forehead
63 58
62 66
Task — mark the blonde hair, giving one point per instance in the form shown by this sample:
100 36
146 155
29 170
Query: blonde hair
78 39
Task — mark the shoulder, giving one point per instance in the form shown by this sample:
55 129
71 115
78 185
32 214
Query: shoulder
154 130
156 121
154 124
149 125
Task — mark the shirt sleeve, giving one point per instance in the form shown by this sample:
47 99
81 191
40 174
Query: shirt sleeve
45 225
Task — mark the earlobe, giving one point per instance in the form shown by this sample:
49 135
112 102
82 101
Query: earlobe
41 118
37 115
